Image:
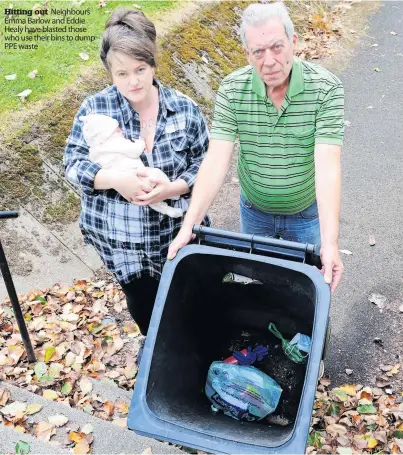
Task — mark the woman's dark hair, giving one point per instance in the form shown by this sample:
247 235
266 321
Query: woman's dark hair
130 32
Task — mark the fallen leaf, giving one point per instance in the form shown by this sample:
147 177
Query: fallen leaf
15 409
346 252
130 371
44 431
333 409
371 240
67 387
344 450
394 370
336 430
10 77
76 436
360 441
366 409
24 94
372 442
32 74
393 33
109 408
58 420
85 386
122 422
87 428
378 299
50 394
40 369
85 56
33 408
131 328
349 389
381 436
82 447
340 394
22 447
15 353
5 395
376 69
385 368
122 407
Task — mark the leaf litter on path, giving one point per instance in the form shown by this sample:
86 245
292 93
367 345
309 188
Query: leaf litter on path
70 350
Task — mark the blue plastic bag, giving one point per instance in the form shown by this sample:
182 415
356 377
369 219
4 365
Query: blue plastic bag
242 392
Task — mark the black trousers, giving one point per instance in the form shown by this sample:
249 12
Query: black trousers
140 296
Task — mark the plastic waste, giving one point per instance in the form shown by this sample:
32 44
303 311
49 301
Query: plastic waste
241 392
235 278
290 350
303 342
248 356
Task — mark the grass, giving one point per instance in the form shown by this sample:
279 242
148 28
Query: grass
58 62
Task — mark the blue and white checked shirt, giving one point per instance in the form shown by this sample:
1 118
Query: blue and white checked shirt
133 240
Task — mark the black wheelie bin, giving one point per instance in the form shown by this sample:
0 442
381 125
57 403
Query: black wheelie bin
196 318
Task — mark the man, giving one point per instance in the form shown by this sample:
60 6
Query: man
288 116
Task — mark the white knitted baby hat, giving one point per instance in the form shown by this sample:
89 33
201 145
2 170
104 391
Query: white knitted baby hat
97 128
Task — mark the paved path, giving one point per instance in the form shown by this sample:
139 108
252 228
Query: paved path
372 204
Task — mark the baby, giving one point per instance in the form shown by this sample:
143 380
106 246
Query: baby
111 150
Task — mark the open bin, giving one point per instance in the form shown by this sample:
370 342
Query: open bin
196 316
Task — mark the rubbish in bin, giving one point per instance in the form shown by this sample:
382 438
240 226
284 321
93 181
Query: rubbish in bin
303 342
247 356
290 350
235 278
241 392
277 420
232 360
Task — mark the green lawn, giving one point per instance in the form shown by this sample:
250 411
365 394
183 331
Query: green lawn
58 63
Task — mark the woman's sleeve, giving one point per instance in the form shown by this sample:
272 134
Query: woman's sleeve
80 171
198 132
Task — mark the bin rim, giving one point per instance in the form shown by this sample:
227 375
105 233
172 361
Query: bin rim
296 440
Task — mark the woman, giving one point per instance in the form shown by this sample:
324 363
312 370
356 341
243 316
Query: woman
131 238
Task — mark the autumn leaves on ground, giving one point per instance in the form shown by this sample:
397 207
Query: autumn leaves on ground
75 336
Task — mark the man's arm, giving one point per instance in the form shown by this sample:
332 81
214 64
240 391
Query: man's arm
209 180
328 195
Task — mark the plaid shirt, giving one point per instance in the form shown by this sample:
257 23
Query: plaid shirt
133 240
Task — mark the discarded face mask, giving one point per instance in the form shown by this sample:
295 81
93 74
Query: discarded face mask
235 278
291 351
303 342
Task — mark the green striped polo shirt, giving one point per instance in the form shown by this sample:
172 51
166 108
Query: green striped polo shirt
276 161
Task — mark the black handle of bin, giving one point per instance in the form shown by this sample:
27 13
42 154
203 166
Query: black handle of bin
5 214
311 252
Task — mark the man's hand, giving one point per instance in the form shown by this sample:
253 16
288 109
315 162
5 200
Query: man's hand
162 188
184 236
332 267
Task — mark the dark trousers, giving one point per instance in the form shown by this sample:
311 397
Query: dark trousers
140 296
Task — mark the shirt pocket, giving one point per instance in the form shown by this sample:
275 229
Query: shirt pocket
125 222
303 134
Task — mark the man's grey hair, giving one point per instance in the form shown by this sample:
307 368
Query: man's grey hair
259 13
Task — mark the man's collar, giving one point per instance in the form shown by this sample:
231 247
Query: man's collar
295 87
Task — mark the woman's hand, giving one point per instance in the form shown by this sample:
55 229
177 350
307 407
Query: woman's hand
129 185
162 188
